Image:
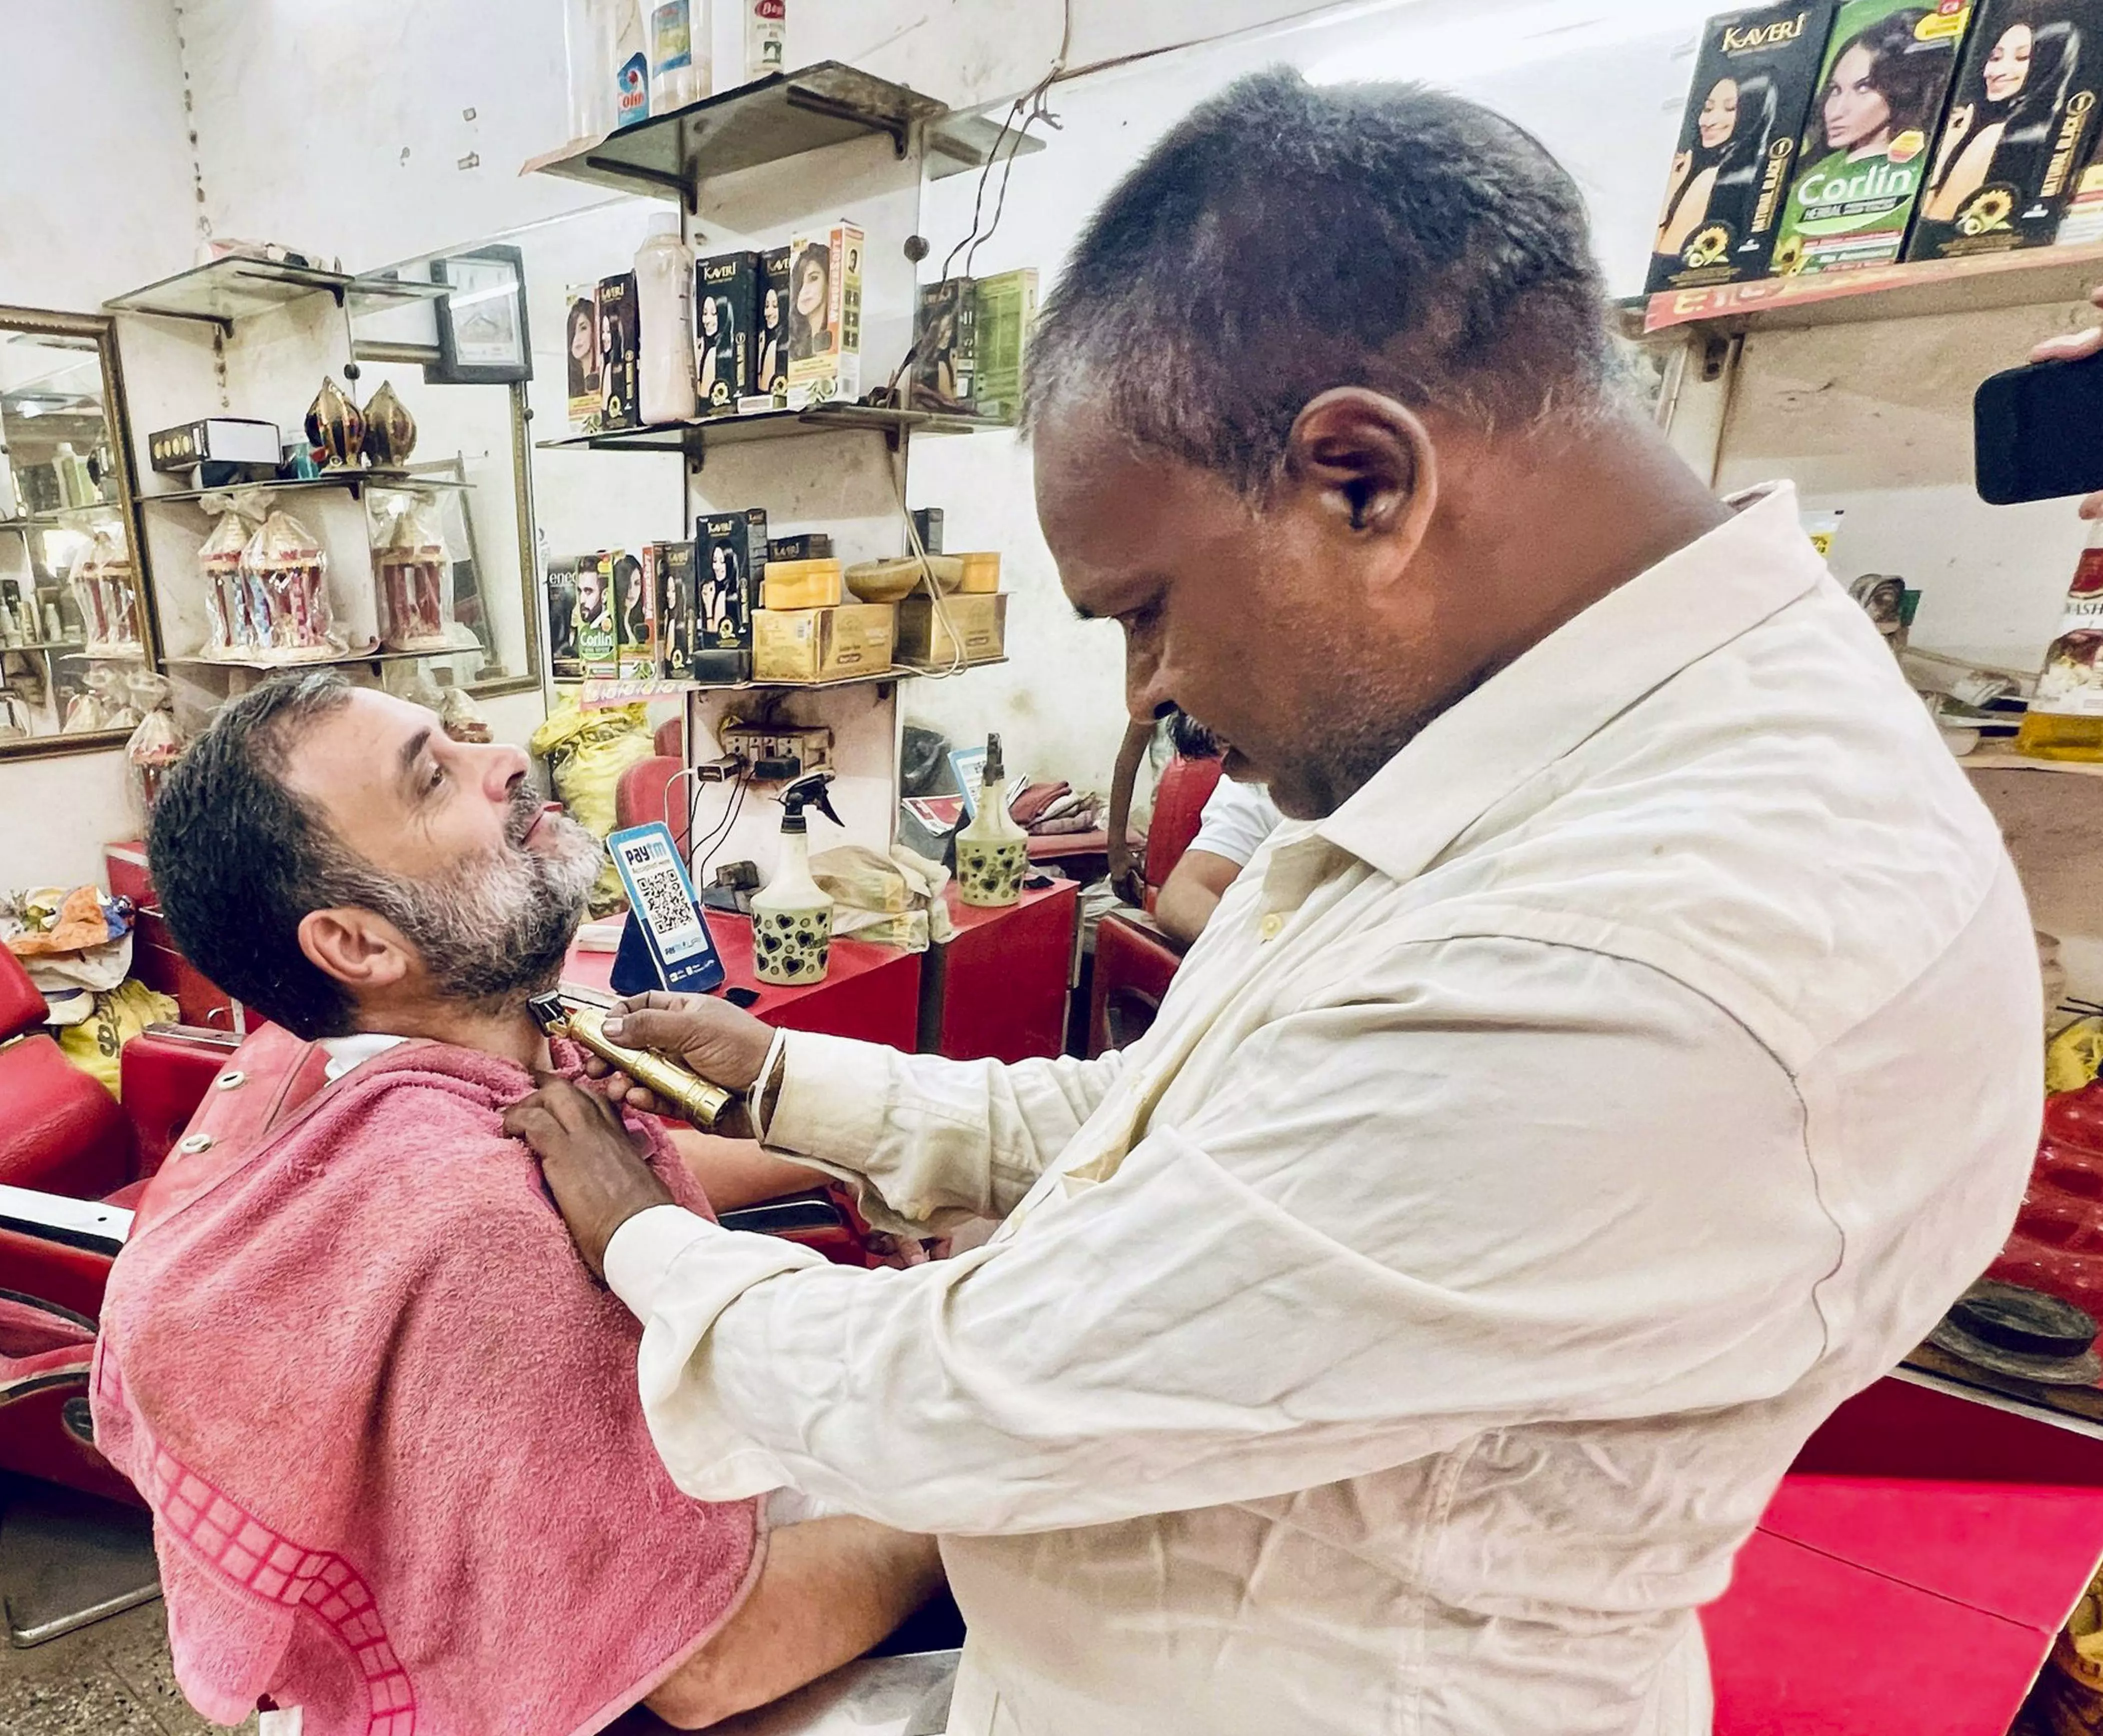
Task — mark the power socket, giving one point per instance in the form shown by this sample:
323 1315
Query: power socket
778 753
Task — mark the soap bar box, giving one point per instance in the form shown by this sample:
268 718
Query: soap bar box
966 629
1755 84
2022 124
822 644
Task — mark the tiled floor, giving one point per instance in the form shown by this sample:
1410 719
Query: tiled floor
113 1679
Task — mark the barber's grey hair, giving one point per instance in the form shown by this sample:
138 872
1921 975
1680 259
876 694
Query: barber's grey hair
1284 240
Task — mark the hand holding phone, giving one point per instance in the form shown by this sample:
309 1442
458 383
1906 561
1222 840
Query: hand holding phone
2039 429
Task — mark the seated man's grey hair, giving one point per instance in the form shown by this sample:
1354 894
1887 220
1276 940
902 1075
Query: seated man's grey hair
1285 239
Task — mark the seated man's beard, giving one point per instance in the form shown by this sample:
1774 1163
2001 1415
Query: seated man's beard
1192 739
493 929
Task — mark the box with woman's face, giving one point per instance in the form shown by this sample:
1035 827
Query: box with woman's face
726 319
2021 125
1753 86
619 339
671 569
825 315
770 361
581 358
1868 144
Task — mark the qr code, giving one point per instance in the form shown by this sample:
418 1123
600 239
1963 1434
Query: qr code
665 906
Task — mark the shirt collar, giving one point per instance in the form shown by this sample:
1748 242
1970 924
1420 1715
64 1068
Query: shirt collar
1572 684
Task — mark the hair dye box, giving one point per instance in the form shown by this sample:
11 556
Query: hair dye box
635 616
1753 86
946 346
725 321
825 317
564 663
2021 125
769 351
1008 312
620 337
598 631
2082 224
1867 153
580 359
671 568
730 554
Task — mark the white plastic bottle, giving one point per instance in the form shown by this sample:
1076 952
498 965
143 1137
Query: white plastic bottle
664 302
791 918
993 852
678 54
624 54
766 38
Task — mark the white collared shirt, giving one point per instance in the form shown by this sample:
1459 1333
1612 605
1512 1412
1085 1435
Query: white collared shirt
1237 818
1404 1335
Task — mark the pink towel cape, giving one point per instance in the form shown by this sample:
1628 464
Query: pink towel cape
388 1427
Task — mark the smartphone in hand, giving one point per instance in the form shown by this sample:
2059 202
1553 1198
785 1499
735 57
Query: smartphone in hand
2037 432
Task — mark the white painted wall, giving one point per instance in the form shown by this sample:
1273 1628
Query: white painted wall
96 198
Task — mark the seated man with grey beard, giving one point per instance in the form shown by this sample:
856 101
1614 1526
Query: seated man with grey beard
386 1421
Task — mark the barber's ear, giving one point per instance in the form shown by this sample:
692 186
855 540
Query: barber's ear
1368 461
360 950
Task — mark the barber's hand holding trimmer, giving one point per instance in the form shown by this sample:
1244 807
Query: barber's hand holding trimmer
598 1180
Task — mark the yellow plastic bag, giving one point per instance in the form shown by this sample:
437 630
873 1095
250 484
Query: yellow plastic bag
2072 1059
586 752
94 1045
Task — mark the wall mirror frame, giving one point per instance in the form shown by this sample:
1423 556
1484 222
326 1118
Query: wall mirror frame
66 477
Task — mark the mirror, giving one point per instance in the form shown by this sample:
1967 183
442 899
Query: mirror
78 660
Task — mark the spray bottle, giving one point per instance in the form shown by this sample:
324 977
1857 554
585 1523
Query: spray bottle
792 919
993 852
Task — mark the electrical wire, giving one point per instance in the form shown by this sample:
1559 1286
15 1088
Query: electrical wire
1027 110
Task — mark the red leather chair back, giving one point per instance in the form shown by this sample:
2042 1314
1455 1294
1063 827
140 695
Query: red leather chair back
22 1007
167 1069
646 791
670 740
1179 810
61 1131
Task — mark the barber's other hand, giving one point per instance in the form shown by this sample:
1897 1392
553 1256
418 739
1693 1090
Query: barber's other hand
2077 346
598 1180
724 1045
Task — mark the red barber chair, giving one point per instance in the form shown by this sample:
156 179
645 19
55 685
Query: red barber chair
72 1161
652 789
1135 958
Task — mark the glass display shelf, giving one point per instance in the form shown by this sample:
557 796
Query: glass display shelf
694 438
771 120
2036 276
349 660
606 693
56 520
407 480
235 289
45 647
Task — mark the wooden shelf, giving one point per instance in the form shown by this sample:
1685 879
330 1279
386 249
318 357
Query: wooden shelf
2038 276
354 659
772 120
604 693
694 438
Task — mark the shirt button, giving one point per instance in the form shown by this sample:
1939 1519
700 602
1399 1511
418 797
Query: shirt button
1273 926
231 1081
195 1142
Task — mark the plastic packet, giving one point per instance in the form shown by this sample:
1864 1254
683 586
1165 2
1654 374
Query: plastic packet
415 571
234 630
106 588
462 717
286 575
156 744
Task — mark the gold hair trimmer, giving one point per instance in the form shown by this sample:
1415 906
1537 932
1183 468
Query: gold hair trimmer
672 1083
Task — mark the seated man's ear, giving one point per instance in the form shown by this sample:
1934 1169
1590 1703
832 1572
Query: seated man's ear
1366 461
361 951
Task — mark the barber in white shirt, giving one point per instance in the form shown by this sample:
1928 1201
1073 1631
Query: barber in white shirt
1627 1051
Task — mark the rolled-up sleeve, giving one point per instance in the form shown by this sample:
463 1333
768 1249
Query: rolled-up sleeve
1502 1196
926 1141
